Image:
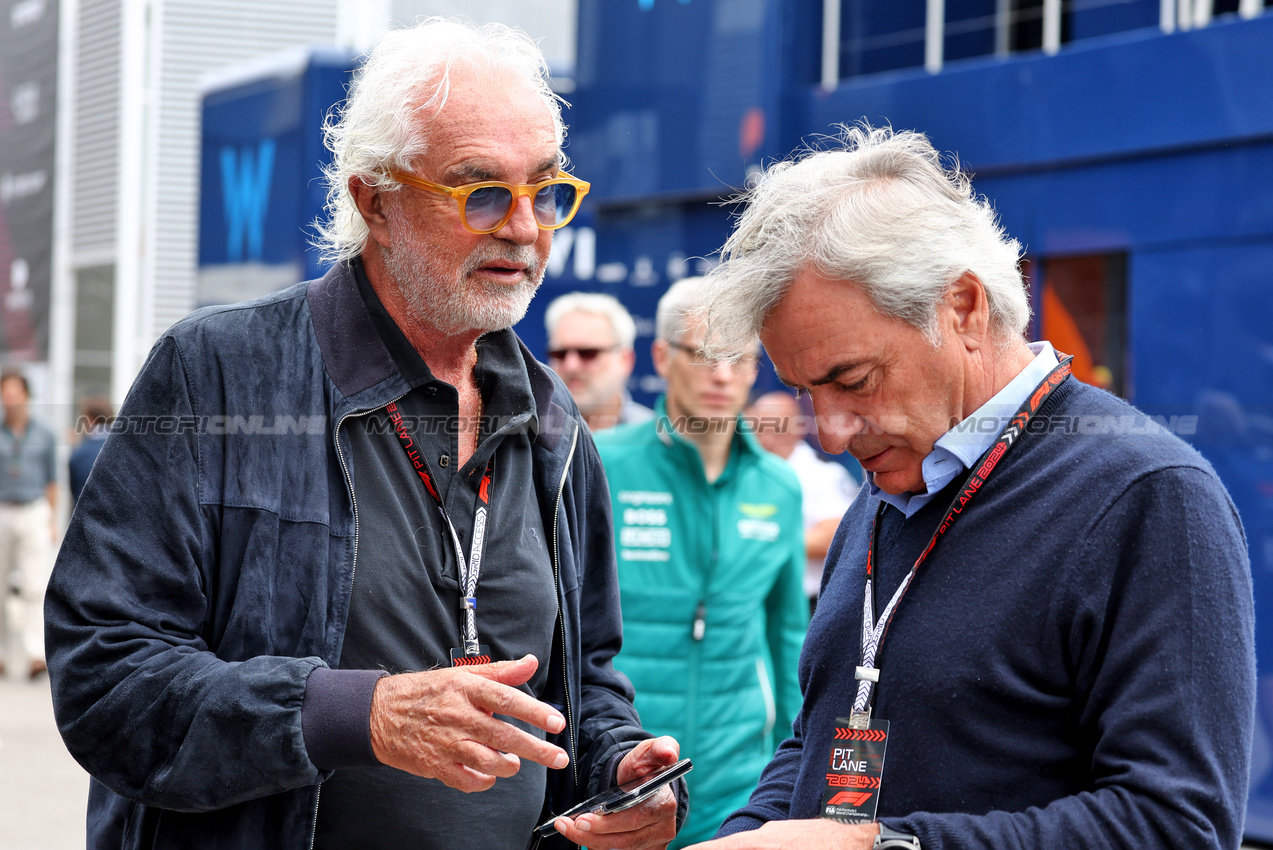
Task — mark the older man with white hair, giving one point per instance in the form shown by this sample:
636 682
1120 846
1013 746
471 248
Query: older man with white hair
1045 624
388 582
590 336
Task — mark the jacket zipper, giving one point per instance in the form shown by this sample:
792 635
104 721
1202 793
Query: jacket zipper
353 566
561 616
698 630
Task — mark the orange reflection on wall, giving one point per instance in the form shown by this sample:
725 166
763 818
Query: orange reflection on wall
1081 313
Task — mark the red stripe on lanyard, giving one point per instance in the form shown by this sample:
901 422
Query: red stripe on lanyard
418 462
470 569
873 631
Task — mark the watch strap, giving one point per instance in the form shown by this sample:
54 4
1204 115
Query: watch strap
891 839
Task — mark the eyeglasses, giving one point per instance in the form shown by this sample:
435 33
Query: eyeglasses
698 359
587 355
487 206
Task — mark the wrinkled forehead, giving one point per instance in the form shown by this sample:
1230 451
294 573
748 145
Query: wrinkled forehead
489 128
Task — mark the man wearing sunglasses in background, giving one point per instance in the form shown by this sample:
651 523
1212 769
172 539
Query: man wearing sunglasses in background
711 556
590 338
238 613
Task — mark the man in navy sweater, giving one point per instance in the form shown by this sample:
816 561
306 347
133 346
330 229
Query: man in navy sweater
1056 623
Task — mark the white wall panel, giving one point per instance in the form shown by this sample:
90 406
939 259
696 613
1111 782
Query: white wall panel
95 137
193 38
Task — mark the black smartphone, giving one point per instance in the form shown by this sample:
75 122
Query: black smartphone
621 797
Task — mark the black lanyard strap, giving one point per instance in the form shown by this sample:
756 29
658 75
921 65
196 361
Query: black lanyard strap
470 568
873 630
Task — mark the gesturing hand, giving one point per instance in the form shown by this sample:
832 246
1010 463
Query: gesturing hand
440 724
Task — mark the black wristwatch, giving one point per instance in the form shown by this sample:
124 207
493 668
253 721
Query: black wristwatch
891 839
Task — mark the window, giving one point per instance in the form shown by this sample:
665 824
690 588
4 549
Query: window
1081 308
888 35
94 329
881 35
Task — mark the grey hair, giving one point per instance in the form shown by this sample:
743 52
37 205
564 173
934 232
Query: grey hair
681 309
597 304
880 210
408 76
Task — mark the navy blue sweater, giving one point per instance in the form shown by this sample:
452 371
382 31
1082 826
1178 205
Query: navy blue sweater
1073 666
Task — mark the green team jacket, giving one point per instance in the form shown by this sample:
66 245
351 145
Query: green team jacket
713 611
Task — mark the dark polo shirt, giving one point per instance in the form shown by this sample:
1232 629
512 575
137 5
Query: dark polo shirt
405 605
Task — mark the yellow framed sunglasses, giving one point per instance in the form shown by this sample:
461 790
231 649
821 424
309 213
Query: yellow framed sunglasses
487 206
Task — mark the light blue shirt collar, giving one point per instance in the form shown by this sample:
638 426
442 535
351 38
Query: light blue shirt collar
958 449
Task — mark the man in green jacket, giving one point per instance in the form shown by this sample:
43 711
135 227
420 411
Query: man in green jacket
710 548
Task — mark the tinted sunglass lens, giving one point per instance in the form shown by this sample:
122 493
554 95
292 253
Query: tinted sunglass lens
554 203
486 206
587 355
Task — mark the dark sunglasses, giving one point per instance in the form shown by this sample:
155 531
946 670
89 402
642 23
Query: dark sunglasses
587 355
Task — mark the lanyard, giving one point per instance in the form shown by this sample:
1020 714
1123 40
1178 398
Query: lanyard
471 568
873 631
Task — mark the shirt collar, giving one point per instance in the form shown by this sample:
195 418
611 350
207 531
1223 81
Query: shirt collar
959 448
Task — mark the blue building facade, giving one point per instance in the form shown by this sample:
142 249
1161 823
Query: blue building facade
1133 163
260 178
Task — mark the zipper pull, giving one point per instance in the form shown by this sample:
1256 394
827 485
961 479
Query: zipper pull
700 621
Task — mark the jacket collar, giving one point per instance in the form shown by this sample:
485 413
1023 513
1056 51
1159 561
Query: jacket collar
353 354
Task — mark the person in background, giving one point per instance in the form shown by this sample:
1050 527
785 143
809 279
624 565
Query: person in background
28 523
828 488
1030 635
93 426
343 575
590 338
710 559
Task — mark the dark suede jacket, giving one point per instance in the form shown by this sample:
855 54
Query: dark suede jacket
208 566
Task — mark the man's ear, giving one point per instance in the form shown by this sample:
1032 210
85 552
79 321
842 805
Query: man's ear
659 353
370 203
969 311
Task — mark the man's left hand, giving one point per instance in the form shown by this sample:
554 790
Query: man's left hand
812 834
649 824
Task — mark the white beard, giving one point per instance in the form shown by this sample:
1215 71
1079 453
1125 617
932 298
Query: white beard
452 302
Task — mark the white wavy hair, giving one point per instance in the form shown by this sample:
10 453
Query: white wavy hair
384 123
881 210
682 309
597 304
